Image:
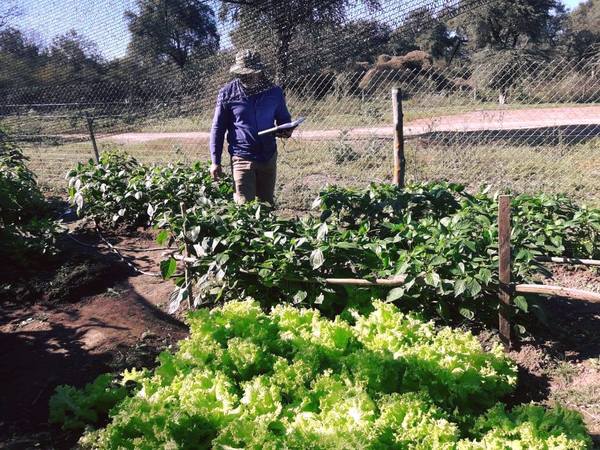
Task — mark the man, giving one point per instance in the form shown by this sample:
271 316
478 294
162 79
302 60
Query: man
249 104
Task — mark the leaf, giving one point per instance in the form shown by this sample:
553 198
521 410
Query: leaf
300 242
470 245
162 237
200 251
474 287
79 201
459 287
319 299
466 312
322 232
395 294
521 303
299 297
265 273
316 202
176 298
214 243
150 211
485 275
437 260
194 233
316 258
347 245
168 268
432 279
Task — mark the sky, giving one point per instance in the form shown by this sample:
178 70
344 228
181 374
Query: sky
99 20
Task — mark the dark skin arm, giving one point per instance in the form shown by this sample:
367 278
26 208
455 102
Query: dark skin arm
284 134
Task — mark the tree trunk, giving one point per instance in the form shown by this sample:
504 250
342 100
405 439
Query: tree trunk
284 37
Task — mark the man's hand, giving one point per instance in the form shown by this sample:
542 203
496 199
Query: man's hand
285 133
216 171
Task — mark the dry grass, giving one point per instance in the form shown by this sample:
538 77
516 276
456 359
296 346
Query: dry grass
306 167
332 112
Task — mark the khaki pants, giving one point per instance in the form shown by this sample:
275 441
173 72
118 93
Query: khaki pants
254 179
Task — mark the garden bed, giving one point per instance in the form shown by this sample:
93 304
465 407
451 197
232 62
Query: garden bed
88 306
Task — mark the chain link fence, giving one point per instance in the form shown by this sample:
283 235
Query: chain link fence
519 122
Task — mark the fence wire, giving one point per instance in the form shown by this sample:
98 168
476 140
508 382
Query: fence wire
524 123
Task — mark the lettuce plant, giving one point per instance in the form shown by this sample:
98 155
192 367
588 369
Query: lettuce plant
294 379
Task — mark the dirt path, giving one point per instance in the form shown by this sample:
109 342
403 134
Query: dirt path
118 324
484 120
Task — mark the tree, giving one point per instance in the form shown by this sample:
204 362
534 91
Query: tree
16 43
508 24
423 30
20 58
365 39
357 41
279 22
74 49
583 28
173 30
8 10
72 58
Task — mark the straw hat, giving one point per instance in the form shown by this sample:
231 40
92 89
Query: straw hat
247 62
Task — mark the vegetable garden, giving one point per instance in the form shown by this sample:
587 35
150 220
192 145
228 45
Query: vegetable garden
343 328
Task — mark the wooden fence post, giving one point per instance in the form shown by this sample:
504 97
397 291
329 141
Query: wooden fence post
504 260
90 124
399 160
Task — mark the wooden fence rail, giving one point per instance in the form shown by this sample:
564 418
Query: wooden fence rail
507 290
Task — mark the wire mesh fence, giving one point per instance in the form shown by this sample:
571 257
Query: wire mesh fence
520 122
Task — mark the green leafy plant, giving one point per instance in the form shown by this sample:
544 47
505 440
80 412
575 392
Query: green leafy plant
293 379
26 228
441 239
120 190
73 408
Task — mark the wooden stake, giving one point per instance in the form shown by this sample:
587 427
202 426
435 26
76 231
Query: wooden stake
558 291
90 124
504 256
399 160
398 280
574 261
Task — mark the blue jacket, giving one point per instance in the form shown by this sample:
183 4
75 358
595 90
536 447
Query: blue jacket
242 117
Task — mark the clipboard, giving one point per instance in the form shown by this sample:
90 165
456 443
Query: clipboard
285 126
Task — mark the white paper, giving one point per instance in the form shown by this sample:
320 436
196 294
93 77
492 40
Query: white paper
285 126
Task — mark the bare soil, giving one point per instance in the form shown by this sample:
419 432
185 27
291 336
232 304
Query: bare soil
92 315
560 363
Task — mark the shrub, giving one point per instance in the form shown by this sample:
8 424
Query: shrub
26 228
120 190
